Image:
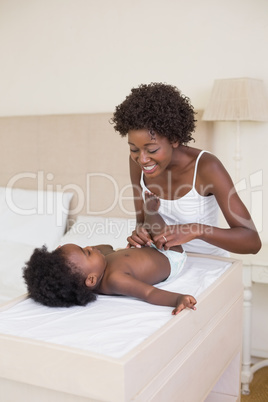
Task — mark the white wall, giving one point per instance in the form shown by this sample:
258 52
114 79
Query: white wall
253 172
68 56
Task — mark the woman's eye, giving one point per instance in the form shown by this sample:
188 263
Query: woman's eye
149 151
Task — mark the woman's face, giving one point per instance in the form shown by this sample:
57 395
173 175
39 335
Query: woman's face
152 152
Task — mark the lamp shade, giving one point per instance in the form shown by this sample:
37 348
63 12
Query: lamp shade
237 99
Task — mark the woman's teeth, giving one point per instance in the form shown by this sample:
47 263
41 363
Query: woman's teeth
148 167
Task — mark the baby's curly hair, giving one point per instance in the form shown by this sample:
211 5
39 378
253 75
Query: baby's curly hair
159 108
53 281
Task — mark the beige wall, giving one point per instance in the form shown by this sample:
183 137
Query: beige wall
83 56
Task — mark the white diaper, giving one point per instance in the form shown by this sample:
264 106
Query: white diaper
176 261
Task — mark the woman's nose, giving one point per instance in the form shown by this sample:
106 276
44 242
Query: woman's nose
143 157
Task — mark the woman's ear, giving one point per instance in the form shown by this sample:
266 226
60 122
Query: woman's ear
91 281
175 144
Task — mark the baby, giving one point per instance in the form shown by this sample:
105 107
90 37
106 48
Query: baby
71 275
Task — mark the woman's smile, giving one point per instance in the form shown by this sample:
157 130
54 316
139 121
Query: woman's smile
149 169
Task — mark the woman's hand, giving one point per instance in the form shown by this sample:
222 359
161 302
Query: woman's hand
140 237
175 235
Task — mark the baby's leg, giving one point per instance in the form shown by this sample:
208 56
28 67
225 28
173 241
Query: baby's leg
154 222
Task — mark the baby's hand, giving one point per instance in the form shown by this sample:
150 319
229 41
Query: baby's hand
183 302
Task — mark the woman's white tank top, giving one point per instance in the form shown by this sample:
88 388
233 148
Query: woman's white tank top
191 208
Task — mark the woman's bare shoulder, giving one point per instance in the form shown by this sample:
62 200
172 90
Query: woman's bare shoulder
209 163
211 174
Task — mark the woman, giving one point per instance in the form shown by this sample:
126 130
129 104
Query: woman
191 184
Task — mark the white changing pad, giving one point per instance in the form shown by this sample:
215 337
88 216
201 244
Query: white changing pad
112 325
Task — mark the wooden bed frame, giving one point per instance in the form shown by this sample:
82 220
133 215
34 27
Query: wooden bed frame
194 357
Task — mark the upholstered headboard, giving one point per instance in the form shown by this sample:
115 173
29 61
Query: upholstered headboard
80 153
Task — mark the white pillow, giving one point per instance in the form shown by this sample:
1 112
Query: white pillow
93 230
33 217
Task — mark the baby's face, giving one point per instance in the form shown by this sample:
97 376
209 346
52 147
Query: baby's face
89 260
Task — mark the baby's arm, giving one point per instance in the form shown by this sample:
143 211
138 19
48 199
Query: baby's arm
166 298
122 284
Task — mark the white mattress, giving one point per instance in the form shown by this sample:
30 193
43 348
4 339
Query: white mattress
12 258
112 325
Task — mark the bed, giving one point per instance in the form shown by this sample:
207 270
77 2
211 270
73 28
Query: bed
130 350
28 219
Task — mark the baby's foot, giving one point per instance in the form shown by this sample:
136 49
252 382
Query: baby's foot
152 202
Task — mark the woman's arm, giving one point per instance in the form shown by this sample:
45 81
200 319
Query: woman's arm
140 236
135 176
241 237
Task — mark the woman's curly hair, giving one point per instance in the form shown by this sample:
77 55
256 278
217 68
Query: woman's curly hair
53 281
159 108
